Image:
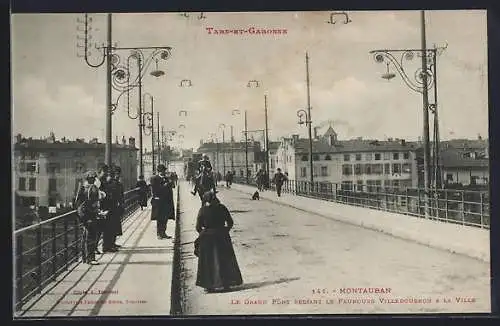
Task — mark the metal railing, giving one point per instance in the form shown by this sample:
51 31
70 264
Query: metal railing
465 207
46 249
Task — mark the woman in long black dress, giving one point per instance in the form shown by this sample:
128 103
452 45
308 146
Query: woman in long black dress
217 264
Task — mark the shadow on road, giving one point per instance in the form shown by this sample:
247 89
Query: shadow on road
255 285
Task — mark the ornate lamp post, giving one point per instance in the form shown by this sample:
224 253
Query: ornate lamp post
307 115
421 81
303 114
238 112
149 128
120 77
255 83
213 139
223 128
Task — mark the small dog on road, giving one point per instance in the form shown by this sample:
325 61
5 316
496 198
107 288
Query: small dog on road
256 195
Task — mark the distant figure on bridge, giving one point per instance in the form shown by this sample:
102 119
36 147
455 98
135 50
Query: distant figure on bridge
204 170
217 264
162 201
278 179
260 179
143 192
229 178
175 178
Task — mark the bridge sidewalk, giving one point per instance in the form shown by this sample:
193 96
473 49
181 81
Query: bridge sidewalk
136 280
470 241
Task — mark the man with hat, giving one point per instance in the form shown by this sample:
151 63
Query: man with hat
162 201
204 170
278 179
119 197
89 212
102 183
112 226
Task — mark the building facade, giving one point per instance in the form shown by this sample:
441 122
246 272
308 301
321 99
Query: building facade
465 164
352 164
47 171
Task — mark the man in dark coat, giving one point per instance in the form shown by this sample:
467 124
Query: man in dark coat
162 201
143 192
87 203
114 202
119 197
279 179
107 203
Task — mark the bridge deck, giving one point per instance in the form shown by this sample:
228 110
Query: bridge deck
133 281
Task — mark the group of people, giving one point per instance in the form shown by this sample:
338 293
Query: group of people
100 205
217 264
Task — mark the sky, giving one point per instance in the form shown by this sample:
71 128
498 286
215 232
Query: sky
55 90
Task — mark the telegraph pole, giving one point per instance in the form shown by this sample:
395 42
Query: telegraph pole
141 164
267 136
246 148
153 168
158 136
232 150
425 104
310 123
164 144
109 96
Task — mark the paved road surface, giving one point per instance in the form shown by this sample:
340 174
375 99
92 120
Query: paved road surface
285 254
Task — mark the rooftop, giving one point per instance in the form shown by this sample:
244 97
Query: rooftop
51 143
353 145
458 158
236 146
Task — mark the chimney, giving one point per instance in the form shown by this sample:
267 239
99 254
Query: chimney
124 141
295 138
131 142
479 137
116 140
403 142
19 138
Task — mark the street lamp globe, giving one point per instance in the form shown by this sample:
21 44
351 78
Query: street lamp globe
157 73
388 75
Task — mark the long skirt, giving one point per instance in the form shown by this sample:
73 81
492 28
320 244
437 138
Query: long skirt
217 264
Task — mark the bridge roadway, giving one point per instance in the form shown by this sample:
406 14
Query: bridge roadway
285 253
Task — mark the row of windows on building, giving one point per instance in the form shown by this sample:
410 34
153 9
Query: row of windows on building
357 169
378 156
76 167
31 184
358 157
30 155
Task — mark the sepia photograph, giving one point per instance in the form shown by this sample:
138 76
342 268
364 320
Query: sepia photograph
250 163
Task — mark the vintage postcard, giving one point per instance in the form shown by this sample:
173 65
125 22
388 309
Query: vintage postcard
250 163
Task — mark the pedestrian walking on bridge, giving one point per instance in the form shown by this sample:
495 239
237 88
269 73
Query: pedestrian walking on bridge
217 264
278 179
